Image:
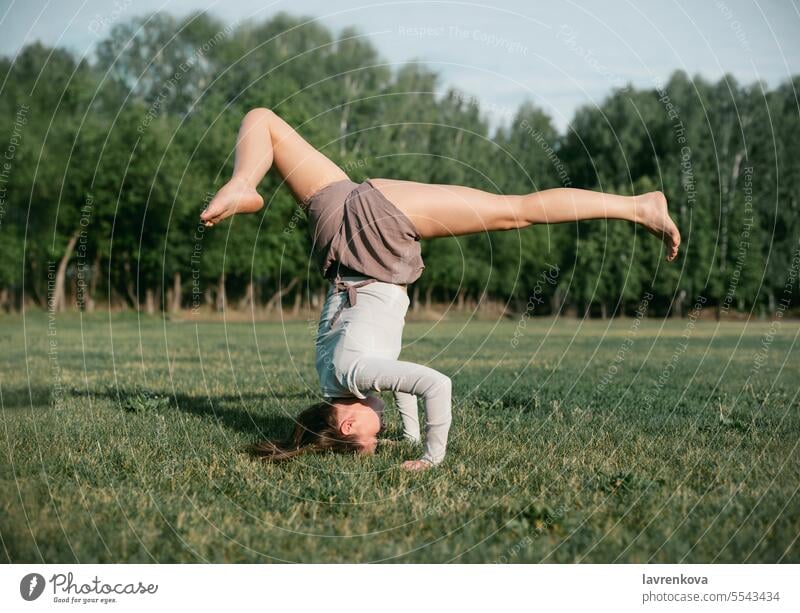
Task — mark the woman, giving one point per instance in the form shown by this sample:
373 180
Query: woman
366 242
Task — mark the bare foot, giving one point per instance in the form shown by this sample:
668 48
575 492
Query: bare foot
416 465
236 196
654 216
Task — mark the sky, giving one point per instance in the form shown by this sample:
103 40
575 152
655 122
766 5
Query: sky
558 54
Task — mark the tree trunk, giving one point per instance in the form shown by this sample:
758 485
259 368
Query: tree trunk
298 302
457 143
351 90
603 310
58 300
221 297
317 299
343 130
150 301
428 296
132 295
90 291
677 304
729 190
248 299
73 291
275 300
555 302
462 295
177 298
34 278
415 298
4 299
115 299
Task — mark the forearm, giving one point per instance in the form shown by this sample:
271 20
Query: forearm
409 413
437 423
433 387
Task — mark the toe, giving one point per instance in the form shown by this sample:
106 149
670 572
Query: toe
673 252
209 213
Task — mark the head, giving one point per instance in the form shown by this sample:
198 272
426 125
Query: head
345 425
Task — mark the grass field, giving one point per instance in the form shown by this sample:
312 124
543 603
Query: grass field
571 442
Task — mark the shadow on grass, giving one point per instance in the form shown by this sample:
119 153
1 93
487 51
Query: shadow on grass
229 411
32 397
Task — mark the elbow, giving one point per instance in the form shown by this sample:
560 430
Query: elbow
442 389
447 386
443 386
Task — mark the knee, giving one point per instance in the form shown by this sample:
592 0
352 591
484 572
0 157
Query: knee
259 114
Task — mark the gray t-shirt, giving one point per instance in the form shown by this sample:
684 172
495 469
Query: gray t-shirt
358 355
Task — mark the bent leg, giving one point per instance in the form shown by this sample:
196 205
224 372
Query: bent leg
265 139
452 210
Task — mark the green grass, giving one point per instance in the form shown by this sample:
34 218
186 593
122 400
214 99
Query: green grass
688 453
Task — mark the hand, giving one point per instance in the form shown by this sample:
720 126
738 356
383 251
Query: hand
416 465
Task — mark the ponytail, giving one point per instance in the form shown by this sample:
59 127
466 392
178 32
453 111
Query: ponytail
315 431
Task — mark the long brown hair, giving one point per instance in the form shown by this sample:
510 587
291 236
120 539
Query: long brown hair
315 430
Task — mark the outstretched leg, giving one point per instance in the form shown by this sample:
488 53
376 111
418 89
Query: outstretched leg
451 210
264 139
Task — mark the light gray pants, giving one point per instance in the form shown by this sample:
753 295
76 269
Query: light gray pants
358 355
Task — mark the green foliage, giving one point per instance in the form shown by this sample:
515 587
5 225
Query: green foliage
145 133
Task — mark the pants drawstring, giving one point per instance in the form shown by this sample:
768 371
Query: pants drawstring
352 294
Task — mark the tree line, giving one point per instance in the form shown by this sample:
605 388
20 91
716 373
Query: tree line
107 162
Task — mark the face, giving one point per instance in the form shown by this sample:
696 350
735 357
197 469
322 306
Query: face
363 418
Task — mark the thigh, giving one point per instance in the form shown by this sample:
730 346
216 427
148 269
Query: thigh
450 210
304 169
